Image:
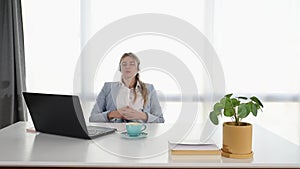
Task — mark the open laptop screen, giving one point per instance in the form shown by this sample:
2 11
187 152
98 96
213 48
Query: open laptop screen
58 114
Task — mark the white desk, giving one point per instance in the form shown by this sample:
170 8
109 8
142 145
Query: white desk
20 148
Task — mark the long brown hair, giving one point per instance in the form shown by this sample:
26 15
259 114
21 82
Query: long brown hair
144 90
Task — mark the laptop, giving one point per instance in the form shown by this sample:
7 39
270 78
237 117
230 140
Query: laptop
61 115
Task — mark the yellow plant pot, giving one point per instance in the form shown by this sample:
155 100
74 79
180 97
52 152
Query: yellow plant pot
237 140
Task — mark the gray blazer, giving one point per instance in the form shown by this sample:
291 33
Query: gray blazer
106 100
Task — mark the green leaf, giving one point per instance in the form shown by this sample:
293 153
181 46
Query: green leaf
249 106
228 104
242 97
223 101
256 100
242 111
218 107
214 118
229 112
228 95
257 106
254 109
235 102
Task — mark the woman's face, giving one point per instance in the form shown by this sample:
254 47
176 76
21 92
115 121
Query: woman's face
128 67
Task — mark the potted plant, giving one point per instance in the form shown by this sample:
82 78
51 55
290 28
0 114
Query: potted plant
237 135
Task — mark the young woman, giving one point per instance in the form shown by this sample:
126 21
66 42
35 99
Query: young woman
128 100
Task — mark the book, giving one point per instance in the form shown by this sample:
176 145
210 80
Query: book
195 158
194 148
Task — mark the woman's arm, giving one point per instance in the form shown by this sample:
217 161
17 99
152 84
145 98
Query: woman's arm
153 112
128 113
114 115
99 112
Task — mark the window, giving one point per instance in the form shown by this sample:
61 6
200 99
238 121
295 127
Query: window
256 41
258 45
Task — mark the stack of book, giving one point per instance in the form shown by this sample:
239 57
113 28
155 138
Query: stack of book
194 151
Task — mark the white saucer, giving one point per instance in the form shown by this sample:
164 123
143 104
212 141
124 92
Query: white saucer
142 135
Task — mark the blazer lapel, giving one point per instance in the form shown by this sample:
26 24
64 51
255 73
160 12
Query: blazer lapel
114 91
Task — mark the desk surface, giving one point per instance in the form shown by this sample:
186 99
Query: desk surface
21 148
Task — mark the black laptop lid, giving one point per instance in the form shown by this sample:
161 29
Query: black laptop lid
56 114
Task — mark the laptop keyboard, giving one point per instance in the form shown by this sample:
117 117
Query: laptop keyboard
93 130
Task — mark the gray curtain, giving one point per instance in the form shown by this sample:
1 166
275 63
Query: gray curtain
12 63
